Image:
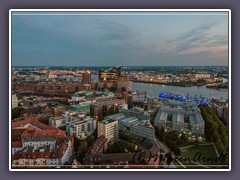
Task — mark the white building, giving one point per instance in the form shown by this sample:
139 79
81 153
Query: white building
109 129
37 144
57 121
14 101
135 122
81 128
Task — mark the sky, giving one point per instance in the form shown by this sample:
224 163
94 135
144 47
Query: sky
119 38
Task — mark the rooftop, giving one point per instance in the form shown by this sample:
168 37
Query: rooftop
107 121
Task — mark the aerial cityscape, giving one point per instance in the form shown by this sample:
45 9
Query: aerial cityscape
94 91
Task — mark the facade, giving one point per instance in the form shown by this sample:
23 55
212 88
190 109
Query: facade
110 74
14 101
221 108
49 87
113 79
109 129
182 117
153 105
86 77
57 121
94 153
57 111
38 145
135 122
81 127
96 108
202 76
81 107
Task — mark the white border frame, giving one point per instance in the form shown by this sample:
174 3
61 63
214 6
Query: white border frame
118 10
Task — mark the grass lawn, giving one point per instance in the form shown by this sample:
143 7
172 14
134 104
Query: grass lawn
207 152
188 143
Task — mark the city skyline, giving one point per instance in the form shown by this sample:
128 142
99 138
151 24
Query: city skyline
111 39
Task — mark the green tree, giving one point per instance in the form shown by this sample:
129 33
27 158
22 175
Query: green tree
82 150
16 112
169 158
104 110
123 89
90 139
183 137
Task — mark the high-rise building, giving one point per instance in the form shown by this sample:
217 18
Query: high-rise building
86 77
109 129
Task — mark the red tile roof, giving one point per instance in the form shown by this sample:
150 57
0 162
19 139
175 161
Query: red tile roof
37 129
17 144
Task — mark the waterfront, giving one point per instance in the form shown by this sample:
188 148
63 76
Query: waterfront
154 90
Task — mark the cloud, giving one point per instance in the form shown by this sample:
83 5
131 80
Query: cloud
198 40
107 40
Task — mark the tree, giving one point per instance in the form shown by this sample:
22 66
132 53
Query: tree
123 89
214 128
82 150
91 113
177 151
16 112
112 89
183 137
169 158
77 142
100 117
88 113
104 110
95 133
90 139
156 131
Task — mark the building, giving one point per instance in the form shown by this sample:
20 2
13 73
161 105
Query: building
57 121
86 77
110 74
220 106
48 87
38 145
135 122
153 105
96 108
59 110
51 75
109 129
183 117
202 76
80 107
81 127
114 80
14 101
95 152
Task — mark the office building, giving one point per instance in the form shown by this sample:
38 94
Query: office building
109 129
135 122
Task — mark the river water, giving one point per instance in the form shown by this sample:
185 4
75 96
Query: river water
154 90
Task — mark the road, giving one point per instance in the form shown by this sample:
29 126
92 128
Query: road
162 146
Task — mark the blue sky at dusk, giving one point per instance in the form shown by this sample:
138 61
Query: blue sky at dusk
107 38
